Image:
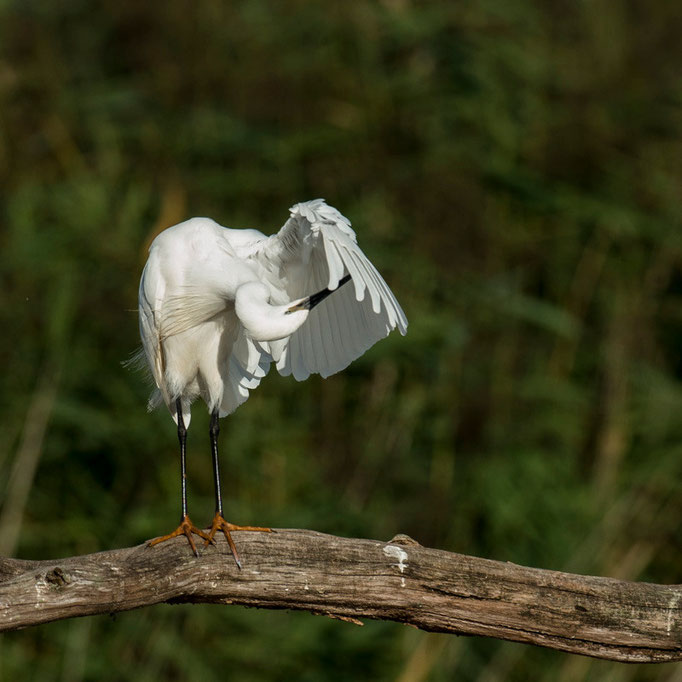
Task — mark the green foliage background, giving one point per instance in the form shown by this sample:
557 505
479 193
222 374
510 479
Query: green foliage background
515 171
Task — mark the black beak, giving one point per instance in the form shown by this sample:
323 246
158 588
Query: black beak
313 300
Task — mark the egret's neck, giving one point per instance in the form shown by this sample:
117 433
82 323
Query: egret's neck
263 321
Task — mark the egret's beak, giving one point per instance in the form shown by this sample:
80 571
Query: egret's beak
302 305
310 302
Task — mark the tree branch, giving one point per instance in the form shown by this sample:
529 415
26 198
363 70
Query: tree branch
353 579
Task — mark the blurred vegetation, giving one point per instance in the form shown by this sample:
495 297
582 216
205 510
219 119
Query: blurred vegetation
514 170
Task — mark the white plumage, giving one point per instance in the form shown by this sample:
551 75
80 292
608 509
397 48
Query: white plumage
218 306
208 331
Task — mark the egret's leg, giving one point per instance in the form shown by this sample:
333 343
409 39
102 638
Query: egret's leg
219 522
182 438
213 433
186 526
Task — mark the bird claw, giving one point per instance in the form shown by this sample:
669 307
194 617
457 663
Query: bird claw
226 527
185 528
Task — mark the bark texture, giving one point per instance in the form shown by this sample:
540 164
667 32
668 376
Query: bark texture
353 579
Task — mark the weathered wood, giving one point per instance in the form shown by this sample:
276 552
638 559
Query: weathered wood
352 579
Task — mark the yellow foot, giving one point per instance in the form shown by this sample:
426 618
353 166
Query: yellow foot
185 528
219 523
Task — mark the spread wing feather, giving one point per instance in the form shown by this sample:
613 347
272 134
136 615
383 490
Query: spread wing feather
314 249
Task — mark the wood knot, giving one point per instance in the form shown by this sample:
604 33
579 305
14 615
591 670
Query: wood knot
402 539
57 577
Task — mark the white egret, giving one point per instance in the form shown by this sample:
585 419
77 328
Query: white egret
218 305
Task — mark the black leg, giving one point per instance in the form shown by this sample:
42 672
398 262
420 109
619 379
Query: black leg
219 519
214 431
186 527
219 522
182 437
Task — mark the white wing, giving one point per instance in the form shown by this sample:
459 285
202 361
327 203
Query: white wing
314 249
